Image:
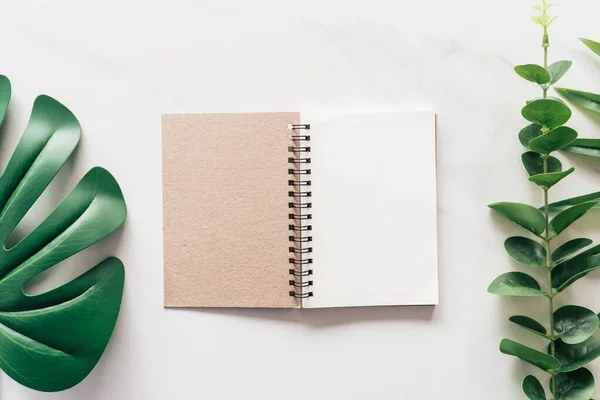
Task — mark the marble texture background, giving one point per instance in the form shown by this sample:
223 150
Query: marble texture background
120 64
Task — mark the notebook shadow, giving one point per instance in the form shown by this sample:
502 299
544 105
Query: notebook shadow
324 317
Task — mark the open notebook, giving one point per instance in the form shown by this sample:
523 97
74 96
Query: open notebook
263 210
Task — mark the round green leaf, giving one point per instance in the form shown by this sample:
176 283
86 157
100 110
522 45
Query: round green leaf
550 179
529 324
547 112
533 389
534 164
567 272
557 70
575 385
525 215
575 356
574 324
565 218
525 251
515 284
529 133
570 247
533 73
553 140
534 357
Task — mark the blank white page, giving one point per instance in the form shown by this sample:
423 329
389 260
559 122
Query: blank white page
374 212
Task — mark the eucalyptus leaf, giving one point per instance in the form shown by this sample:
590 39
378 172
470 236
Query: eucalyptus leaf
529 324
569 248
525 251
590 101
525 215
575 356
573 201
532 356
565 218
569 271
550 179
546 112
516 284
575 385
553 140
533 389
529 133
533 73
557 70
51 341
585 146
592 45
534 164
574 324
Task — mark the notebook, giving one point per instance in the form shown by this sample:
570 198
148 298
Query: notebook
336 209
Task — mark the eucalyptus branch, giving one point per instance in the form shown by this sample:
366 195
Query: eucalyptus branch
571 345
545 46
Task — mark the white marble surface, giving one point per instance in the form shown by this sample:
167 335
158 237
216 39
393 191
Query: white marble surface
119 64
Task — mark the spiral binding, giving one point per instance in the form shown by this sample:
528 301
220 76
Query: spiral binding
300 230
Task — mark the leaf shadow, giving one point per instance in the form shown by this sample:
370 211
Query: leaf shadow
582 162
589 115
590 61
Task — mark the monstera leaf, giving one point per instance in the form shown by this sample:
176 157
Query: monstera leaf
50 342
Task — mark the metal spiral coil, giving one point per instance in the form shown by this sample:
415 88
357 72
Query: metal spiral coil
299 229
300 251
296 261
301 273
300 284
304 160
299 194
301 295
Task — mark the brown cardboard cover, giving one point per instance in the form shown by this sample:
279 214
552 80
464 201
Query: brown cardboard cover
225 197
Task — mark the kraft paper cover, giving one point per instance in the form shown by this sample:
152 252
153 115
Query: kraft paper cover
226 210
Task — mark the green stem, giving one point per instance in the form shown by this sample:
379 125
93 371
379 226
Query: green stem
551 294
545 45
547 239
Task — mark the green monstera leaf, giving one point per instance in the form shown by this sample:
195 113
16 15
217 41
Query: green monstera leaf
51 341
